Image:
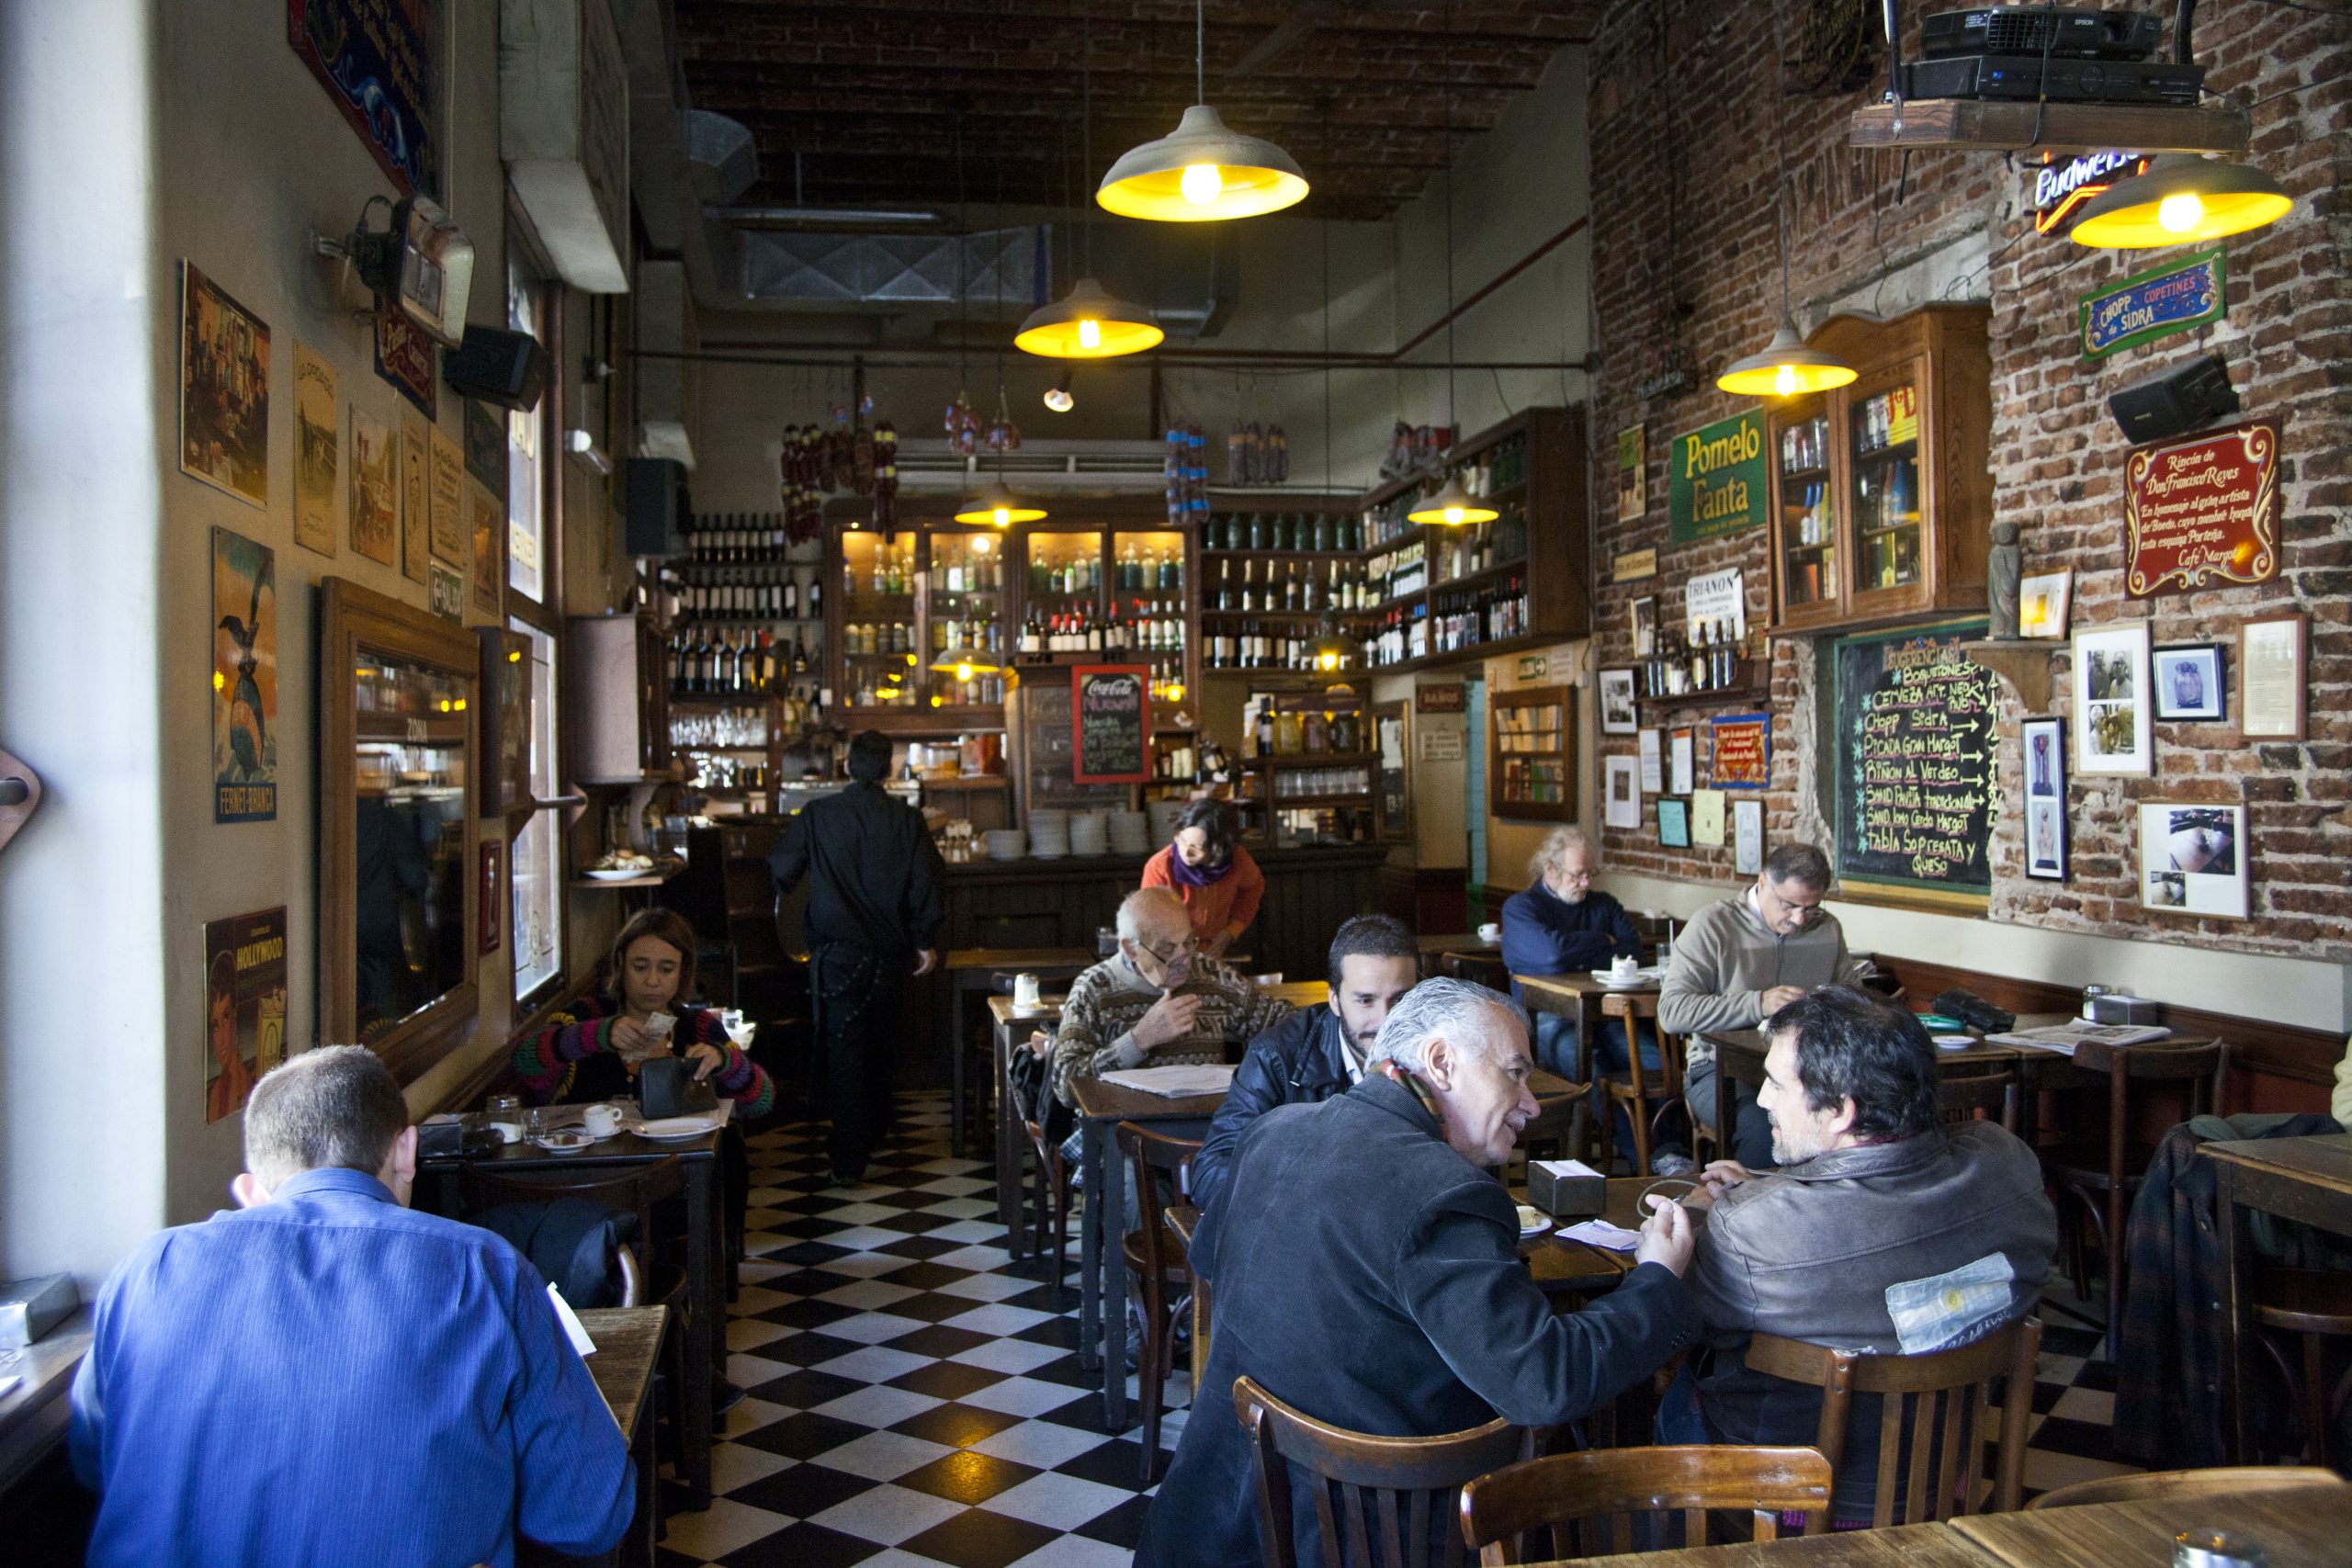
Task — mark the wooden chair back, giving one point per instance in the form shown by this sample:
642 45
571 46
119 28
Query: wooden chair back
633 1190
1936 1406
1163 1167
1480 968
1641 1007
1583 1503
1382 1492
1995 1094
2157 1487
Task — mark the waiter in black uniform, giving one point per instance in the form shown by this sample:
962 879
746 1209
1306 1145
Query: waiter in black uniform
873 919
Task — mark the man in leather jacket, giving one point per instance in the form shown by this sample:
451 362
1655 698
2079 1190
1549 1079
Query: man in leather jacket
1316 1052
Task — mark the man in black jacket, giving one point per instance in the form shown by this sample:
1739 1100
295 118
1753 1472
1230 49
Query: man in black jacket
1368 1274
1317 1053
873 918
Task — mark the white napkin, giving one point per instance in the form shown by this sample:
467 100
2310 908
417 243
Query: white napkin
1600 1233
571 1321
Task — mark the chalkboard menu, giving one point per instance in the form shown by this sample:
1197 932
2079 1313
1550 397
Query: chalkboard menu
1915 794
1111 719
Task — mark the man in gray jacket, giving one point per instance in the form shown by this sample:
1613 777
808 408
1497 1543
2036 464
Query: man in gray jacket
1882 1231
1741 960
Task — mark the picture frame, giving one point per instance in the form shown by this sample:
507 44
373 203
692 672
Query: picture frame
1392 730
1619 715
1645 619
1748 836
2044 753
2274 658
1620 792
224 391
1680 760
1673 822
2044 601
2193 859
2111 706
2188 679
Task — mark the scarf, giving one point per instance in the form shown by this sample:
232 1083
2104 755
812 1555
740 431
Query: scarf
1184 874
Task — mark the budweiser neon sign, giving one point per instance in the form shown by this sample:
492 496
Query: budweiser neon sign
2059 188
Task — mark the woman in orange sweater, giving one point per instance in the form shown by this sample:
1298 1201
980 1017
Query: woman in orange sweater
1207 868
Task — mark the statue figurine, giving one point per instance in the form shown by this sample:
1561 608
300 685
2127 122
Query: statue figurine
2001 566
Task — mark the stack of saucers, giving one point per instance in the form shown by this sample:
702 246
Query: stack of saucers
1087 836
1049 832
1005 844
1130 833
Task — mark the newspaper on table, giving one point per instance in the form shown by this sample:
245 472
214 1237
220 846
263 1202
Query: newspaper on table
2064 1037
1177 1082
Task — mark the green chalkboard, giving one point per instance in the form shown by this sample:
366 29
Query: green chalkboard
1111 723
1914 793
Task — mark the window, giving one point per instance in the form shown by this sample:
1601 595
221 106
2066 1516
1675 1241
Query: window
525 456
537 863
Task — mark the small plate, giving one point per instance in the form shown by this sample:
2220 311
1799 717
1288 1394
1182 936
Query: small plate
563 1140
674 1129
618 873
1533 1221
1628 982
1954 1041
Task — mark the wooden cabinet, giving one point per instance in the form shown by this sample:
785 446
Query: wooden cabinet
1883 489
1530 766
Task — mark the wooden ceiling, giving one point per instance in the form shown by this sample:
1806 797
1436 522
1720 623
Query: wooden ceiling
871 99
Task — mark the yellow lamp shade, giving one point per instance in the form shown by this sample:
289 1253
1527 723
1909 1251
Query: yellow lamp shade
998 509
1453 507
1785 368
964 665
1202 172
2180 198
1087 323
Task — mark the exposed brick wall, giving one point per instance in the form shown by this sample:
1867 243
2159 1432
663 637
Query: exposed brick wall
1684 121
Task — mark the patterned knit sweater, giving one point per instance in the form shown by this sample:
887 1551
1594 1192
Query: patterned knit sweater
1109 999
544 1061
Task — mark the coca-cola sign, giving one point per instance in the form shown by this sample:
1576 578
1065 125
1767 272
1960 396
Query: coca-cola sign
2202 510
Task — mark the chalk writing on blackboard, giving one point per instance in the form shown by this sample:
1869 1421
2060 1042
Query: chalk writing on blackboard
1111 718
1916 796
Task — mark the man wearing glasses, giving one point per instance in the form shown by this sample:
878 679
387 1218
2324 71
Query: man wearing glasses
1742 960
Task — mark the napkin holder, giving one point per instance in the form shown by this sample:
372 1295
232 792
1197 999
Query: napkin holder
666 1086
2114 1007
1566 1189
441 1136
31 1308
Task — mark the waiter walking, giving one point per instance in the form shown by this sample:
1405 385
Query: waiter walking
873 919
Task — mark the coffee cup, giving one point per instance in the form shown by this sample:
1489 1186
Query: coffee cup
601 1121
1024 990
1490 931
1623 967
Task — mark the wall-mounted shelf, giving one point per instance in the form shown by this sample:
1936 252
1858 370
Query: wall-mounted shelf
1978 125
2023 664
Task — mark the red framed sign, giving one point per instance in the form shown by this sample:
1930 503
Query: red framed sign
2202 510
1110 722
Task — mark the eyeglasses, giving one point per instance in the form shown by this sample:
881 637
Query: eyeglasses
1170 956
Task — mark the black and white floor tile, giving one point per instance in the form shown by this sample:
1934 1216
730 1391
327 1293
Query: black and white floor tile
915 1396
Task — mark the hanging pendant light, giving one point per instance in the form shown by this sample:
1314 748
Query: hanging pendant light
999 508
1453 506
1058 396
1330 653
965 663
2180 198
1203 170
1088 323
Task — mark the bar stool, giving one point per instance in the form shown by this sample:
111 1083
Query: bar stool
1633 1088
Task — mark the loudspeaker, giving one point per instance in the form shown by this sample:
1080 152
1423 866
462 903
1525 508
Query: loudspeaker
2175 400
658 509
509 369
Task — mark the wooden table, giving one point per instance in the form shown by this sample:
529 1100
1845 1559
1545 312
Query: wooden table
1576 997
1435 948
437 1192
2297 1179
1559 1264
629 1342
1901 1546
968 972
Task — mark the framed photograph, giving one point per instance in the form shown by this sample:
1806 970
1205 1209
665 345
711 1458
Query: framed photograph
1620 792
2193 859
1673 822
1392 739
2043 602
2045 800
2112 708
1707 818
490 549
1653 750
1632 471
1644 625
374 489
244 1006
2188 681
1617 712
318 450
1748 837
1679 760
245 678
224 391
2273 655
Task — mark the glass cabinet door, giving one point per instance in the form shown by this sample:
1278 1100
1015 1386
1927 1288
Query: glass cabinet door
965 615
1808 531
1883 447
1065 574
880 654
1148 596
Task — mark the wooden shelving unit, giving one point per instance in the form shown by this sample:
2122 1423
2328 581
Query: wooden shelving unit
1978 125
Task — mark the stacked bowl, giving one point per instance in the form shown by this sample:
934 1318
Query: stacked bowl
1089 835
1006 843
1049 832
1130 833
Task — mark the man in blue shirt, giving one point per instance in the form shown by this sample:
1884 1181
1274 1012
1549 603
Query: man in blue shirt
327 1377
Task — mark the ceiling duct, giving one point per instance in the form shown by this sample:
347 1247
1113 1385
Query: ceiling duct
720 152
825 268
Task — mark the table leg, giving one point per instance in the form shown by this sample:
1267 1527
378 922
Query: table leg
1111 1255
1594 1106
1090 1240
706 1345
2237 1344
1009 1209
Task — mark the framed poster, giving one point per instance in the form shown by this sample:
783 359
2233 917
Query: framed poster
1618 715
2045 800
447 482
1392 737
2042 602
244 1006
318 449
488 519
2177 297
1645 614
1740 751
1632 471
2273 655
374 60
1707 818
416 497
374 489
2111 699
2188 681
1714 481
1748 837
1680 766
1652 761
1621 793
1111 720
2193 859
2201 510
224 391
485 433
245 678
1673 822
410 361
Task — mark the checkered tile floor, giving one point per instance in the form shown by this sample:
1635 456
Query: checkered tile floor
915 1396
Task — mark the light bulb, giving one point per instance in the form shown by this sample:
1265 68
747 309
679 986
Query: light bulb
1453 517
980 543
1201 183
1784 381
1059 400
1002 517
1090 332
963 671
2180 212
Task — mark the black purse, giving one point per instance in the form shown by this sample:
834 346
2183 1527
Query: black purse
666 1086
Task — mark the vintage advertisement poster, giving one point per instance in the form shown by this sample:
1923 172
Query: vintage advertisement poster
2201 510
1632 471
486 445
245 678
416 497
448 480
2177 297
374 489
318 449
374 60
1742 749
447 592
410 361
1714 481
244 1006
224 391
490 555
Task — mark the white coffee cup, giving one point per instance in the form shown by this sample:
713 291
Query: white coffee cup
601 1121
508 1131
1624 968
1024 990
1490 931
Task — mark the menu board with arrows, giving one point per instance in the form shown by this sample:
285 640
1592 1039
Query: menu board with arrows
1914 793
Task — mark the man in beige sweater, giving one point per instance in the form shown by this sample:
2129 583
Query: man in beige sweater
1742 960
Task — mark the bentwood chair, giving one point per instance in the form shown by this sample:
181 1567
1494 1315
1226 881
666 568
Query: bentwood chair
1934 1418
1156 1263
1647 1100
2162 1485
1050 1217
1584 1503
1399 1495
1994 1094
2314 1305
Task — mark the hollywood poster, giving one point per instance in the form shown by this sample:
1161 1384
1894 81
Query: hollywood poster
245 678
244 1006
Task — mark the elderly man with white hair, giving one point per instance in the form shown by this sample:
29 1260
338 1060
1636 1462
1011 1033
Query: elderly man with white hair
1368 1273
1560 924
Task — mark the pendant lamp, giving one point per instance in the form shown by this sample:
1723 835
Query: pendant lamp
1203 170
1058 396
1330 653
2180 198
999 508
965 664
1453 506
1088 323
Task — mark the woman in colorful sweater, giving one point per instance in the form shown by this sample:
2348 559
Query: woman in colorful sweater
1207 868
591 1049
